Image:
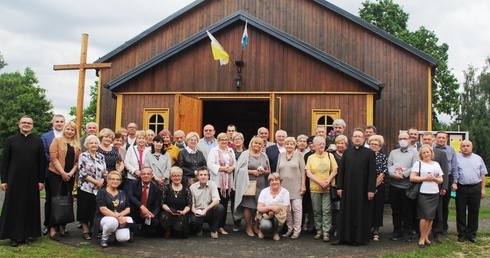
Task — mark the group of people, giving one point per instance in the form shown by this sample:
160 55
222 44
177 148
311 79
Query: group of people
132 181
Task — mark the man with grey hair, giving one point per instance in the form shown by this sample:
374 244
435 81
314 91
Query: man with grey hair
400 163
131 140
263 133
339 128
273 151
91 128
206 143
179 137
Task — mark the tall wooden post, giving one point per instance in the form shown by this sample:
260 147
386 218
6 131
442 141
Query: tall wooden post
81 67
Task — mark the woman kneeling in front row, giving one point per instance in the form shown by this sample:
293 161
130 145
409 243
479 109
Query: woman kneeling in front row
273 204
113 210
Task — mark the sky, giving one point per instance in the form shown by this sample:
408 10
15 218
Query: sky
40 34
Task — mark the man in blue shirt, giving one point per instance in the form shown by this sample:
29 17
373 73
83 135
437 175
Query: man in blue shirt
469 182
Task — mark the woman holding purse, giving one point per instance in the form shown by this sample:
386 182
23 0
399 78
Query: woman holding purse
64 153
250 179
428 173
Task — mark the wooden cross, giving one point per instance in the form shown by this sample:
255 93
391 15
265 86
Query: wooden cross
82 67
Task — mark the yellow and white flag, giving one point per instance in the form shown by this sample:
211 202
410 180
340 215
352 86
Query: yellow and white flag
219 52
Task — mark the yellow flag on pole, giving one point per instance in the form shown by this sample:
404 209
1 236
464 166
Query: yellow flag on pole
219 52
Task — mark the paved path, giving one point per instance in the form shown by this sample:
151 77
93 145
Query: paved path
241 245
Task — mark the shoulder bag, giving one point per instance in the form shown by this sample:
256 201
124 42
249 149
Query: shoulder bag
62 208
414 189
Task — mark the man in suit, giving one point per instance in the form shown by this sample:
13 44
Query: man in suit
207 142
273 151
452 163
144 197
58 123
441 158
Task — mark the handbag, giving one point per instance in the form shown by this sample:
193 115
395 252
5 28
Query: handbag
62 208
252 188
334 196
414 188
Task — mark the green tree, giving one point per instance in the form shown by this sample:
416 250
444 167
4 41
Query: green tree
475 108
389 16
2 62
22 96
90 111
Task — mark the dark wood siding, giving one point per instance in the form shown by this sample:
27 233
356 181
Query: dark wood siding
404 100
269 66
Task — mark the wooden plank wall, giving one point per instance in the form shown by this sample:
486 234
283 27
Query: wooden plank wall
404 99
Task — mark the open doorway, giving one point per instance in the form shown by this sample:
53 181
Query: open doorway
246 115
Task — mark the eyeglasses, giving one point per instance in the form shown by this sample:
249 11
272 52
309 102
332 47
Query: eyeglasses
223 140
114 179
176 176
373 144
26 123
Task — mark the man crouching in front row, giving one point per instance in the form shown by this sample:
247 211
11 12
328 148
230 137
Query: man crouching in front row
206 205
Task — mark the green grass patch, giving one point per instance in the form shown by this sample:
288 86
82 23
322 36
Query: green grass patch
484 208
45 247
451 248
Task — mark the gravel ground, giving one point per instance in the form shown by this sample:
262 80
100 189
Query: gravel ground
241 245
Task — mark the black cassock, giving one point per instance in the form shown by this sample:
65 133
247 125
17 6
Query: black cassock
23 167
356 177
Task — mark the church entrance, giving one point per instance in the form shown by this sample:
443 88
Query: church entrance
246 115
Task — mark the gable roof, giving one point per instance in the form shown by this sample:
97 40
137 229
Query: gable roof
368 26
262 26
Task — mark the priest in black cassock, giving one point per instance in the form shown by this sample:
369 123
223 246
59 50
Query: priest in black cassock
356 182
22 174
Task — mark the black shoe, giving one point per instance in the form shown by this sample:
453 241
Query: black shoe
14 243
354 243
396 236
438 238
55 237
336 242
472 239
461 239
45 230
407 237
66 234
421 246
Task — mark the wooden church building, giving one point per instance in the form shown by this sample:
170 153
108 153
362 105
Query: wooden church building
307 63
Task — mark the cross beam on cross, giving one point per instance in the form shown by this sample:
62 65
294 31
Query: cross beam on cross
82 67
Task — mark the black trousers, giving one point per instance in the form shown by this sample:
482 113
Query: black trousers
438 225
402 210
47 203
212 217
445 204
468 197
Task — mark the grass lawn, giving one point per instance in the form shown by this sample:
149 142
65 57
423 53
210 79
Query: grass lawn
484 207
45 247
